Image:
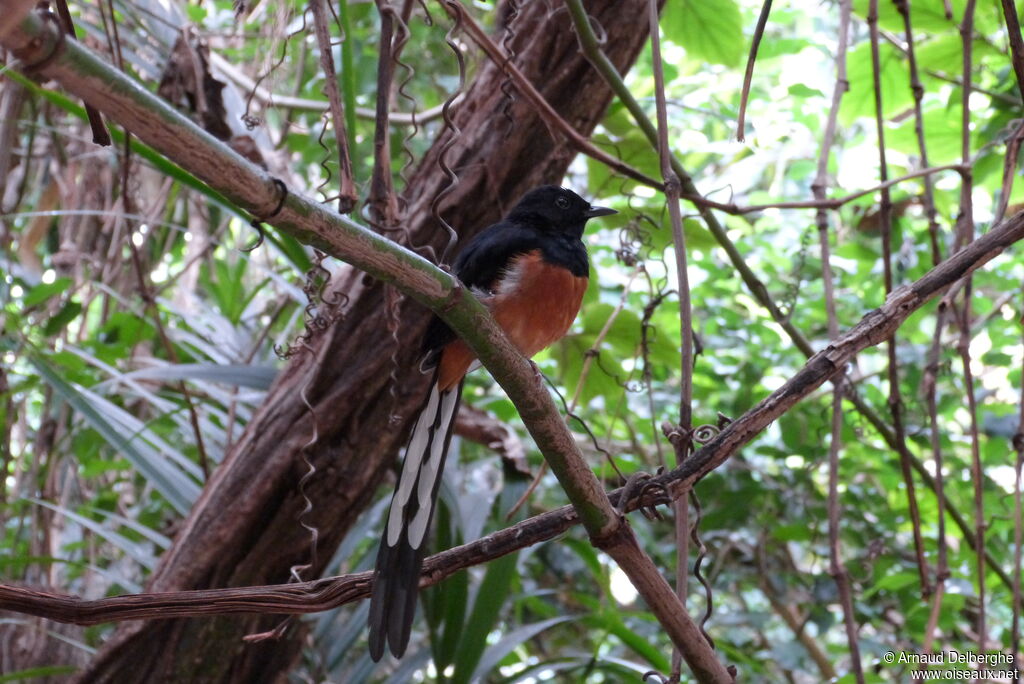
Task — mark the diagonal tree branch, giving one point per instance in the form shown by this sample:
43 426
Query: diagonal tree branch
328 593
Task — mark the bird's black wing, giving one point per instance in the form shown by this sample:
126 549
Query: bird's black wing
480 265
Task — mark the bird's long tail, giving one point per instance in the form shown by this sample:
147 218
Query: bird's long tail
402 549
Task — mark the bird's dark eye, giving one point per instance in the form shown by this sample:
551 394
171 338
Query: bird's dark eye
562 203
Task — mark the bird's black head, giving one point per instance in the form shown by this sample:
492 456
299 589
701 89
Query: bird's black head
556 209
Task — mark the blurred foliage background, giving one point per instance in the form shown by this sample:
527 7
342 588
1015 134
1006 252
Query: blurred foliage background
133 353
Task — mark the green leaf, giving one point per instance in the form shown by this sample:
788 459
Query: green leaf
894 582
67 314
196 13
793 532
348 80
179 490
894 83
35 674
44 291
712 31
926 15
237 374
445 605
941 136
611 622
490 598
494 654
801 90
776 47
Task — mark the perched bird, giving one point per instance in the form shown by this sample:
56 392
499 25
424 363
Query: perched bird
531 271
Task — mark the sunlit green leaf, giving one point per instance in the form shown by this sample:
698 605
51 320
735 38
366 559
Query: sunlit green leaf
709 31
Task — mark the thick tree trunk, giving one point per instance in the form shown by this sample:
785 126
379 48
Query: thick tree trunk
244 530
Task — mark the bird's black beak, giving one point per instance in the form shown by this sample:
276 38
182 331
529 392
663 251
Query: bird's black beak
594 212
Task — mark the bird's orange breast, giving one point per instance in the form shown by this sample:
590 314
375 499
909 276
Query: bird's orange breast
535 303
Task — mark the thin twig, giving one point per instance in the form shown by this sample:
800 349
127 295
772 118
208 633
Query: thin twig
836 566
885 221
100 134
346 185
903 6
931 400
1009 171
1016 43
672 192
964 237
748 75
383 205
974 88
822 203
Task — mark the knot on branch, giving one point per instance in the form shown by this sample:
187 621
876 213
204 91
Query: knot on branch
648 492
28 54
258 220
676 434
673 187
454 296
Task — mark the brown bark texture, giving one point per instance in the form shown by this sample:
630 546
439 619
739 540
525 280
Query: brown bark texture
244 529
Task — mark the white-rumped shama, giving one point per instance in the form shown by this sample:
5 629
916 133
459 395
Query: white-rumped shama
531 270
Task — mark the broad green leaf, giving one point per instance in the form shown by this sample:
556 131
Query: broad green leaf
711 31
67 313
926 15
40 293
894 86
895 581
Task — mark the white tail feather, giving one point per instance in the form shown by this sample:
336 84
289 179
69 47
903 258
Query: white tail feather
421 468
419 443
430 470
